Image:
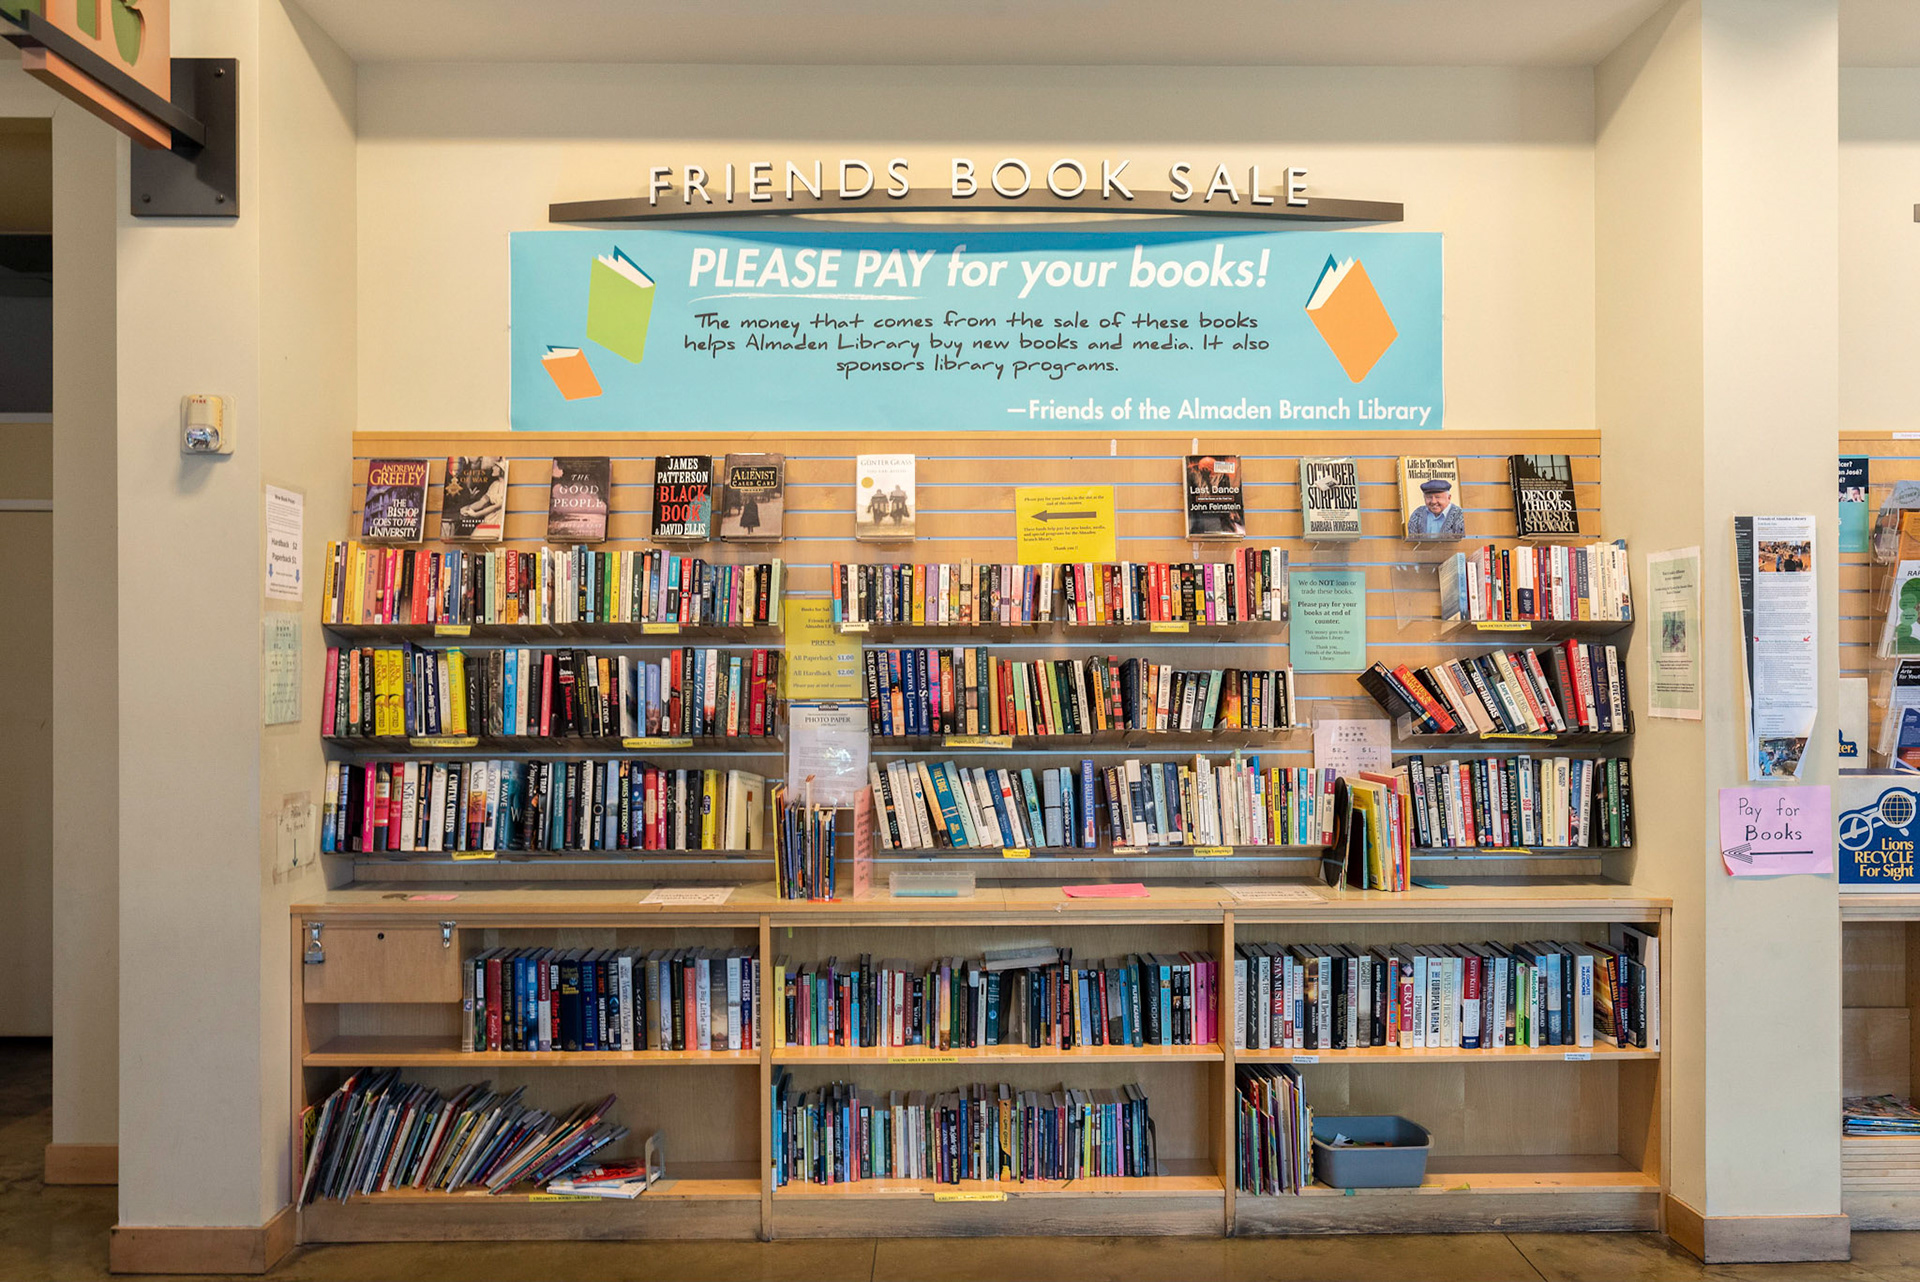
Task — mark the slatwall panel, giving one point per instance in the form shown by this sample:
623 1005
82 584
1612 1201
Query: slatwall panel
965 485
1863 584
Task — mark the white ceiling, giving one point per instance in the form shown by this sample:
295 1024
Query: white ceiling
1039 32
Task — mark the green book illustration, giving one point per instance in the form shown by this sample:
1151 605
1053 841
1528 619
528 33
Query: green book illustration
619 305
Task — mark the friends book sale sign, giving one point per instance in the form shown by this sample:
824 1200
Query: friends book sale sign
906 330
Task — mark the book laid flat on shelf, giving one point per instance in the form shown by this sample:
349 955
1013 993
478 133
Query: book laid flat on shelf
841 1134
611 999
1537 583
1573 687
1329 498
473 503
395 510
966 690
418 806
619 305
1489 996
1544 506
379 1132
1215 505
515 692
376 585
578 499
1027 996
1430 498
1250 587
682 497
753 490
931 805
884 503
1524 801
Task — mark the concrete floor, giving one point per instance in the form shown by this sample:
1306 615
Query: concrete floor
61 1233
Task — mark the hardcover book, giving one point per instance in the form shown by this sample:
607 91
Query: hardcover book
682 497
883 497
578 499
1430 498
1329 498
1543 501
1216 508
473 504
753 490
396 505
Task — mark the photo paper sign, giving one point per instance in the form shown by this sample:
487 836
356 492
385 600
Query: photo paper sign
881 330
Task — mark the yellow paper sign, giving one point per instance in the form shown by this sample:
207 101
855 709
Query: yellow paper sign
1179 625
473 854
563 1197
979 741
659 629
1064 523
969 1196
1501 734
444 741
1212 852
1502 625
1016 852
656 742
453 629
821 663
923 1059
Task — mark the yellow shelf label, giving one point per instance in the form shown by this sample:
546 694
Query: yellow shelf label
1180 626
1129 850
855 627
1500 850
563 1197
979 741
656 742
453 629
1502 625
444 741
1501 734
1212 852
958 1195
474 854
1016 852
923 1059
659 629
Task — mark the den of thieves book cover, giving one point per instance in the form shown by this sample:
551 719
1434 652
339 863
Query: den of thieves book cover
473 504
1543 501
395 510
753 489
577 500
1329 498
1216 508
682 497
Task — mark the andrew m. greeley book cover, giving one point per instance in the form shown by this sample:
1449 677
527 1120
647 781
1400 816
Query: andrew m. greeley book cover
395 510
577 500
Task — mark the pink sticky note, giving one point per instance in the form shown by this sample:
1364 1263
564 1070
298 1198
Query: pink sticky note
1768 832
1123 890
442 897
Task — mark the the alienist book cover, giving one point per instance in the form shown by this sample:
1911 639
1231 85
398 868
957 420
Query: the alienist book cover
753 491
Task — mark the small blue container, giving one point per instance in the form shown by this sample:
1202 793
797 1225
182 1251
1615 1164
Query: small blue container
1401 1164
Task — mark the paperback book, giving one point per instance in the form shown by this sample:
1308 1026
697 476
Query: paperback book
1430 498
578 499
1329 498
682 498
1216 508
396 506
753 496
1543 499
883 498
473 505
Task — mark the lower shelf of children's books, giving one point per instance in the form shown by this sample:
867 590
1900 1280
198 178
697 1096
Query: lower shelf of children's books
1447 1055
985 1055
402 1050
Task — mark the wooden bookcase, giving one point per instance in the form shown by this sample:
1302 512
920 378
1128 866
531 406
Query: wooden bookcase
1880 990
1555 1139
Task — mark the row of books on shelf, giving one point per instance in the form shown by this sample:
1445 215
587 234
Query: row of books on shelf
693 692
1503 802
1879 1115
803 845
839 1134
1251 587
611 999
1273 1130
966 690
378 1132
1575 687
420 806
1537 583
927 805
564 585
1024 996
1487 996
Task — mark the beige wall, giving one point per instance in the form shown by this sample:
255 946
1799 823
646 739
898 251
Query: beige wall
1879 247
26 159
453 158
26 727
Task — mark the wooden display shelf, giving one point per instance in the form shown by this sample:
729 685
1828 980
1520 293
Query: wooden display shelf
1146 740
401 1050
1541 629
1423 852
908 1055
444 745
1059 630
467 858
952 854
1181 1178
1552 1193
537 634
1519 742
1447 1055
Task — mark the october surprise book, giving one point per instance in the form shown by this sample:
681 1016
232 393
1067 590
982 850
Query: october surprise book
753 490
1543 499
1216 507
1329 498
473 503
395 510
682 497
578 499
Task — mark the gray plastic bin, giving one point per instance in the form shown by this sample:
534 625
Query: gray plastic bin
1400 1165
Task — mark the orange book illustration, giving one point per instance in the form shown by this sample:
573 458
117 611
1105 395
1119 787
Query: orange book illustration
568 368
1348 312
